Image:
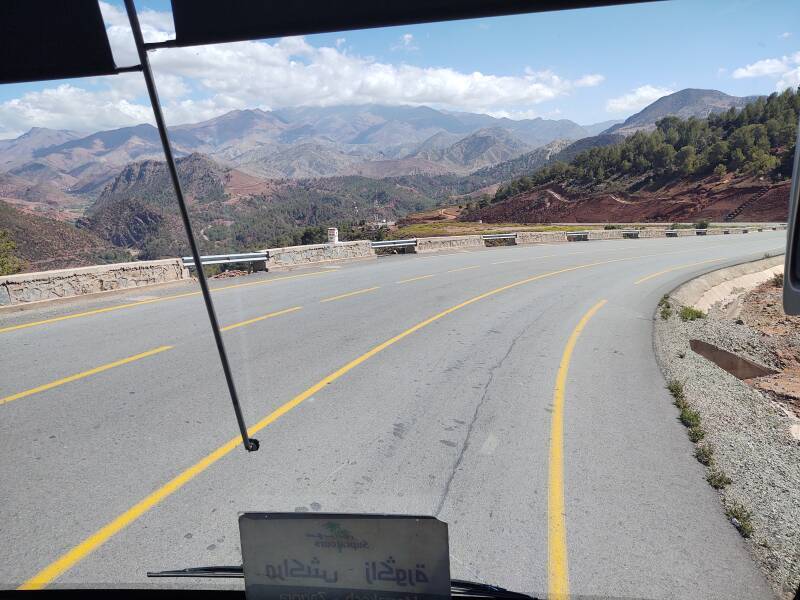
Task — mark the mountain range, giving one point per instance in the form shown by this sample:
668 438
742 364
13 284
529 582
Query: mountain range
294 143
253 177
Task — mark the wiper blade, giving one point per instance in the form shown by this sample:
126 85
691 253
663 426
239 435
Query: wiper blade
471 589
231 572
458 587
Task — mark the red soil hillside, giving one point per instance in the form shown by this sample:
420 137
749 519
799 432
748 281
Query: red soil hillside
743 200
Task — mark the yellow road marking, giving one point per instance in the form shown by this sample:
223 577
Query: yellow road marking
557 571
463 269
151 301
348 294
71 378
102 535
416 278
261 318
652 275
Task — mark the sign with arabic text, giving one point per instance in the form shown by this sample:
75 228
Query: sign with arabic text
317 556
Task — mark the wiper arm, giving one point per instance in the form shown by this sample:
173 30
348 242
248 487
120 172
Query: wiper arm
458 587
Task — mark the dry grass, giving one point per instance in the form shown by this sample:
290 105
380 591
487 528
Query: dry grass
444 228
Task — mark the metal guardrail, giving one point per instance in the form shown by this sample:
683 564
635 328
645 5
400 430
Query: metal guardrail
394 243
499 236
220 259
580 236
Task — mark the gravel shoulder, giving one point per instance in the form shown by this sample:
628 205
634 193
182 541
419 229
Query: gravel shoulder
748 425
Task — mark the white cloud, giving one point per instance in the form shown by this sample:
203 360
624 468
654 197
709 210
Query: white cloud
637 99
761 68
406 43
202 82
790 79
785 35
786 69
68 107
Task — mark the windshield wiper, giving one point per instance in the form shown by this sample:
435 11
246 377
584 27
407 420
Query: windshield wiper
458 587
231 572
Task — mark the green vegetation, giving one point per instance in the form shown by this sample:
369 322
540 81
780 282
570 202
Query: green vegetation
757 140
741 518
704 453
717 479
696 433
666 309
9 263
689 417
690 313
675 388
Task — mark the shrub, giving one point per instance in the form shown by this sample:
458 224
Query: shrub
777 280
675 388
701 224
690 313
696 433
741 518
704 453
688 416
717 479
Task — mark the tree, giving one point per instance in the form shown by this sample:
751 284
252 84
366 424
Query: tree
9 264
664 157
686 159
720 170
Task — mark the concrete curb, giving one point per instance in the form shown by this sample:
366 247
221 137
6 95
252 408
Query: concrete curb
692 291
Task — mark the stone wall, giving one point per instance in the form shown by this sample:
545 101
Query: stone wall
605 234
298 256
652 232
64 283
541 237
458 242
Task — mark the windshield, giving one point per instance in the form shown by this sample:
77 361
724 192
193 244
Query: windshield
521 274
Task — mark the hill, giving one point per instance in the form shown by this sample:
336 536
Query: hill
683 104
748 151
234 211
43 243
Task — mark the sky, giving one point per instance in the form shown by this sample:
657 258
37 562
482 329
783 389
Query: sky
587 65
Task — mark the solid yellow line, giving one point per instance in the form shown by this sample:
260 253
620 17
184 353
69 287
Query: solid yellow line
348 294
557 570
652 275
152 300
261 318
102 535
71 378
416 278
463 269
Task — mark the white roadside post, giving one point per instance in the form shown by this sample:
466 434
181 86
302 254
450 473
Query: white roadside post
333 235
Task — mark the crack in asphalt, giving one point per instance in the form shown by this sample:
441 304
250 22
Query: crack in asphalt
478 407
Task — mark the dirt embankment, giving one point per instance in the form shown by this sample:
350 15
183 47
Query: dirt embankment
744 200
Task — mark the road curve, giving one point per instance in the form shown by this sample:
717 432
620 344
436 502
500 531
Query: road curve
412 384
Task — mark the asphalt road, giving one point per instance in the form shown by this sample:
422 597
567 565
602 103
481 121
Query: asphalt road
453 417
